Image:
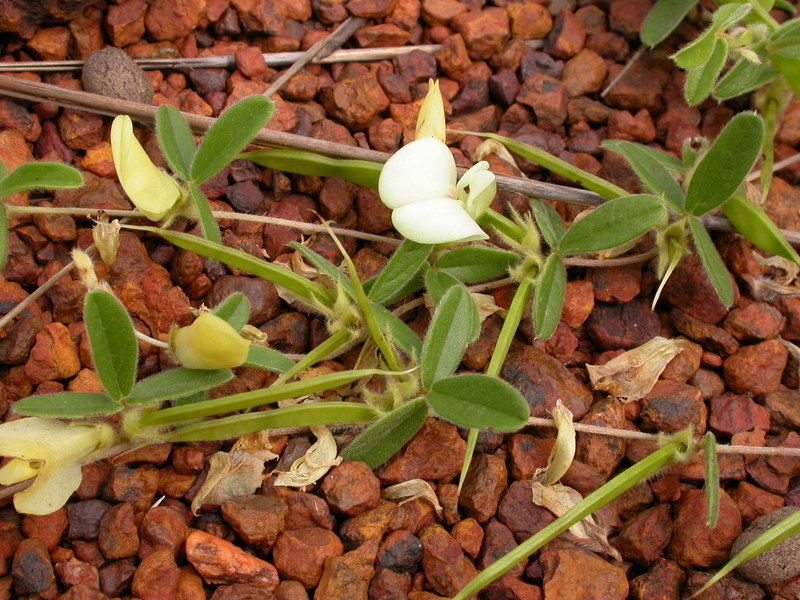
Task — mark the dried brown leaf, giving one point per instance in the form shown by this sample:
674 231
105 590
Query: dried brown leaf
563 451
316 462
411 490
632 375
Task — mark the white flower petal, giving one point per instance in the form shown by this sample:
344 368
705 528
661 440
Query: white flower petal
430 121
482 189
421 170
436 221
151 190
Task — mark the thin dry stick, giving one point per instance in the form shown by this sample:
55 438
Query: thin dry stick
322 48
654 437
624 70
217 214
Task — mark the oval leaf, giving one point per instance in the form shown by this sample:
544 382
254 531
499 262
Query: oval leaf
208 223
452 328
175 140
558 166
67 405
40 175
115 351
744 77
235 309
754 224
387 435
226 138
405 263
302 288
549 222
649 166
700 81
472 264
176 383
479 401
712 262
663 18
302 162
437 284
549 298
267 359
698 52
614 223
396 331
723 169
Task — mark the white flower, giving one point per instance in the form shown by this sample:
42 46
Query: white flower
51 451
209 343
150 189
419 184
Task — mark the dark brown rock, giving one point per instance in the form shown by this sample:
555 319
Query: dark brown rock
671 407
446 568
400 551
755 322
518 512
258 520
644 538
300 554
355 101
32 570
351 488
543 380
756 369
663 581
571 574
497 542
483 487
693 543
625 326
218 561
548 99
118 536
434 453
712 338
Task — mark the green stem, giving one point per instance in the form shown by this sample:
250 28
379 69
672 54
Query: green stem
594 501
325 349
759 10
507 333
494 220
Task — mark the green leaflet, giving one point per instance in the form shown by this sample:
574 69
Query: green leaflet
388 434
229 134
549 223
175 140
455 324
549 297
472 264
406 262
700 80
360 172
662 20
712 262
267 359
40 175
115 351
479 401
712 479
67 405
614 223
726 164
235 309
754 224
176 383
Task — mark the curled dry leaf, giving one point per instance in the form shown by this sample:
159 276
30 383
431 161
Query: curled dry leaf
790 269
485 302
632 375
411 490
311 467
235 473
494 148
558 499
563 450
765 289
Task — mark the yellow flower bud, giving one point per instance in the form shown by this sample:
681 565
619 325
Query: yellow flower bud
209 343
150 189
430 121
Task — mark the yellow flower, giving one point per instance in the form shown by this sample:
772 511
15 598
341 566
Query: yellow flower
51 451
150 189
419 184
209 343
